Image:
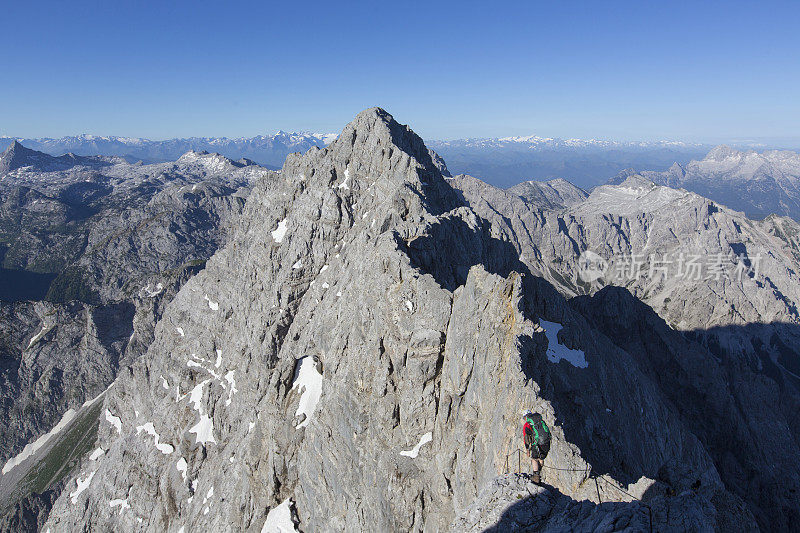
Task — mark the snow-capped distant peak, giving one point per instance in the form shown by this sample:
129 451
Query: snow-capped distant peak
721 152
555 142
531 139
326 138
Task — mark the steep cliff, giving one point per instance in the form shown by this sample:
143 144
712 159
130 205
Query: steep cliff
357 358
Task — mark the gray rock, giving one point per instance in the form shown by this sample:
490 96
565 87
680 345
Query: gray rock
428 330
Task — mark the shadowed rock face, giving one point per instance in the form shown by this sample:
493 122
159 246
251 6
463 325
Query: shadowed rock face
428 332
747 328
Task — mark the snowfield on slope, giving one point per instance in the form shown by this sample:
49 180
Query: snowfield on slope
309 382
557 351
279 519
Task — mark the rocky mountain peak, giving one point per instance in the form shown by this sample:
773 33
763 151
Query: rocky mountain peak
17 156
636 181
375 127
621 176
721 152
677 169
375 149
14 146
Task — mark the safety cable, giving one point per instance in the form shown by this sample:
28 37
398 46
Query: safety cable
590 475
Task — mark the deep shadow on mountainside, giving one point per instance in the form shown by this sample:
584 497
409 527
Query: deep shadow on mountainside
720 398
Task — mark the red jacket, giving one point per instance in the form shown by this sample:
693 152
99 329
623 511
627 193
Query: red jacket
527 434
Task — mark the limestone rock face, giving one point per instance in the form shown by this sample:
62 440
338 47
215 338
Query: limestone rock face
553 194
364 346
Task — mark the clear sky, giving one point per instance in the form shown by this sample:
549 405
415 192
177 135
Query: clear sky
626 70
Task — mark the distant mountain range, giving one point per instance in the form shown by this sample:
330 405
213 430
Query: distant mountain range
503 162
757 183
267 150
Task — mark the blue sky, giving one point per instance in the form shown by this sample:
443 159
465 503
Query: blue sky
623 70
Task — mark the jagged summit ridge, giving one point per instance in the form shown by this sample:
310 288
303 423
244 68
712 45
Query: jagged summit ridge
375 147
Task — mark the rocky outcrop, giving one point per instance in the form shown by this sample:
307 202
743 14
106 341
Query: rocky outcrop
362 348
746 325
514 503
55 357
551 195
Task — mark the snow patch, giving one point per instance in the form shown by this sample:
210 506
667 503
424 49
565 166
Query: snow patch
148 428
409 306
426 438
153 293
82 485
196 396
114 421
557 351
182 467
233 390
279 233
180 331
97 454
204 431
309 382
298 264
214 306
279 519
191 363
122 504
218 362
45 328
344 185
32 447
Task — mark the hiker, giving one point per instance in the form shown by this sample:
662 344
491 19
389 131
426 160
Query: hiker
536 436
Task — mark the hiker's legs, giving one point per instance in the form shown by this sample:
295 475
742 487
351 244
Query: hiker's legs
536 465
537 470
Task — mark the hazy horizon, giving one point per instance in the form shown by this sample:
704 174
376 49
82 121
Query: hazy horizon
754 143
